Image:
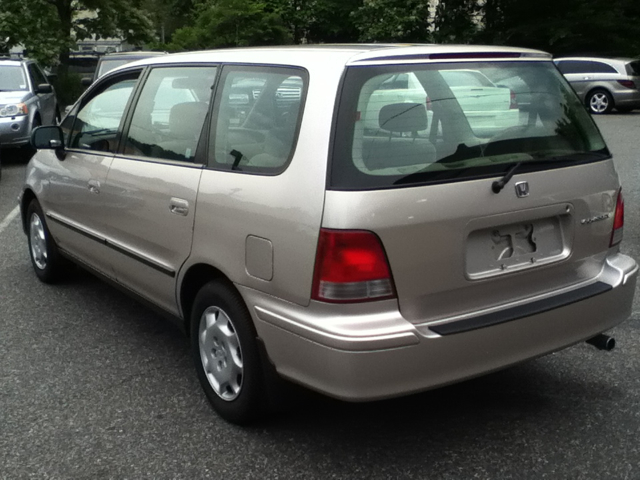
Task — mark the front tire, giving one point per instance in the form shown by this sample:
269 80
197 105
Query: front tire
27 150
225 352
47 263
600 102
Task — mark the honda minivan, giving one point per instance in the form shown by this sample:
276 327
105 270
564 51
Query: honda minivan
299 224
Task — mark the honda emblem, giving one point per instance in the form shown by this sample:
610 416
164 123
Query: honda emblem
522 189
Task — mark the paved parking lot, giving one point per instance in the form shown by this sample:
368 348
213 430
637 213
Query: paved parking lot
93 385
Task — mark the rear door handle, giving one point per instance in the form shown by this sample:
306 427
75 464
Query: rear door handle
179 206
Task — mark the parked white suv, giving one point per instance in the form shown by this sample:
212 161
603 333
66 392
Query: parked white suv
254 197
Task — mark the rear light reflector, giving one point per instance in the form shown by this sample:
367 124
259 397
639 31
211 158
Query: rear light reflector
351 266
618 221
627 83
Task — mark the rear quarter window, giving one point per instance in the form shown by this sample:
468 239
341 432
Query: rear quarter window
633 68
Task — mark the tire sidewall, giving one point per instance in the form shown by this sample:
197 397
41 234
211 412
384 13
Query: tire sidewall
248 405
47 274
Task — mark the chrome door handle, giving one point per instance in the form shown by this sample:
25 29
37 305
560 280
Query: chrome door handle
94 186
179 206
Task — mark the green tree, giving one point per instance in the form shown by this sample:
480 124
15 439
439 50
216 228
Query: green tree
229 23
605 27
319 21
49 28
393 21
456 21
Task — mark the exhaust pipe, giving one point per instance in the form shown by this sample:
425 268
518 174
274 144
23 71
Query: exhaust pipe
602 342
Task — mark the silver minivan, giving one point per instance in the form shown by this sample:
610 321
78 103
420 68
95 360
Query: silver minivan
309 214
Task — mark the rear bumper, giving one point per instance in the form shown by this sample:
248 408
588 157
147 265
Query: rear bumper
370 352
627 98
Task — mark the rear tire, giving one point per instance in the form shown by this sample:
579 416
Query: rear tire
225 353
600 102
47 262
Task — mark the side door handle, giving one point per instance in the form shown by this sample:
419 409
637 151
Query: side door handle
179 206
94 186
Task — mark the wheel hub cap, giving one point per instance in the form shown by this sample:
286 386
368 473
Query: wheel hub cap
599 102
37 242
220 353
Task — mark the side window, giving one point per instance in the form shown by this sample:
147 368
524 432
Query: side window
36 75
67 124
170 113
574 66
599 67
257 116
98 118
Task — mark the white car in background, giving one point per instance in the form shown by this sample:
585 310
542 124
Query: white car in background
488 108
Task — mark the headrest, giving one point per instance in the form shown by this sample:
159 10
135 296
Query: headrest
186 119
403 117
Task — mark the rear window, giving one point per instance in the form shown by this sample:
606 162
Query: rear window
455 121
633 68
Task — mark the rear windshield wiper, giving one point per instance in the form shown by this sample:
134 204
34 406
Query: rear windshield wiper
451 173
498 185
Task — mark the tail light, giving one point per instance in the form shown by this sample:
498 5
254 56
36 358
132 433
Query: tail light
351 266
513 102
627 83
618 221
428 103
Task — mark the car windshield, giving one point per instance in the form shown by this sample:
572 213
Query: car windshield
12 78
434 123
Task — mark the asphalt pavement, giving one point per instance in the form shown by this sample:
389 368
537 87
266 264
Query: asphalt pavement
94 385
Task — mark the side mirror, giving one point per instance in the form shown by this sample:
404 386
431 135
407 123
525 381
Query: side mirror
49 138
86 81
44 88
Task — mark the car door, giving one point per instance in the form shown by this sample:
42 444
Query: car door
152 184
75 200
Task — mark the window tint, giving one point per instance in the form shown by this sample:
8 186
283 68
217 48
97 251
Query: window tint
258 111
578 66
37 77
599 67
446 128
98 119
633 68
169 115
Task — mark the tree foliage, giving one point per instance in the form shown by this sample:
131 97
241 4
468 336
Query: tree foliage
319 21
393 21
605 27
229 23
49 28
456 21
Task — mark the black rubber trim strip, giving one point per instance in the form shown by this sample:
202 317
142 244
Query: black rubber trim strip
522 311
103 241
